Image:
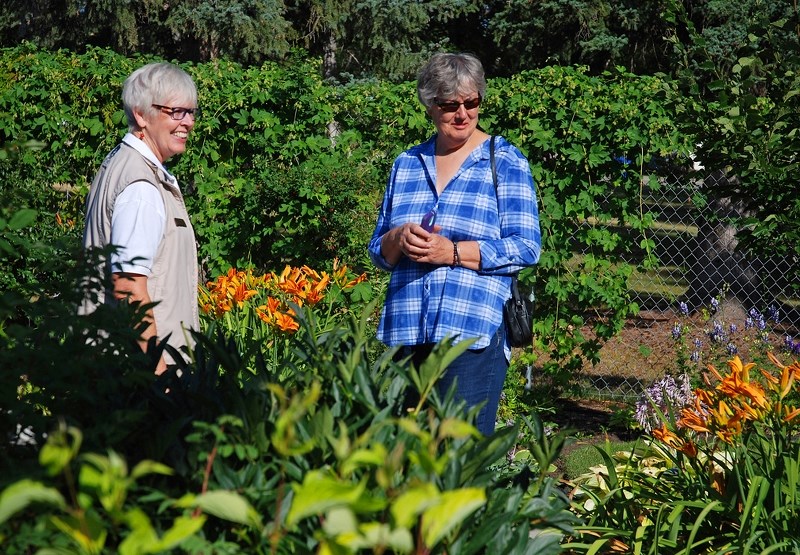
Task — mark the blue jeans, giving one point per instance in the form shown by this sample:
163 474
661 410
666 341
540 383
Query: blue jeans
479 377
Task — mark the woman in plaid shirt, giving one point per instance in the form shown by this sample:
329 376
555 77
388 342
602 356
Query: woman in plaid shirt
451 241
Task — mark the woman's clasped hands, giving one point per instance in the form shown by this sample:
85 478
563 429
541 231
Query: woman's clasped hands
422 246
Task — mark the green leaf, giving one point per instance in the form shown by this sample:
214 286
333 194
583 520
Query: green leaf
58 451
150 467
411 503
22 218
374 456
319 493
20 495
454 506
398 540
340 520
229 506
182 528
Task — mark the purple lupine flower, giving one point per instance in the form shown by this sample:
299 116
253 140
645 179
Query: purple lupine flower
796 348
716 334
731 348
684 308
773 313
748 323
676 331
695 356
788 342
761 324
733 328
714 304
698 344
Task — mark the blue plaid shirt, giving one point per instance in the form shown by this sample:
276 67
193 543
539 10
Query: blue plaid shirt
426 303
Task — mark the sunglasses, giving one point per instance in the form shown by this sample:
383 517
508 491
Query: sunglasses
452 105
178 113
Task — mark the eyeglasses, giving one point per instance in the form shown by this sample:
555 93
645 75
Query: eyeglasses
178 113
452 105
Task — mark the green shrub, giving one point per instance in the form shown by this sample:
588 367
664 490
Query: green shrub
285 167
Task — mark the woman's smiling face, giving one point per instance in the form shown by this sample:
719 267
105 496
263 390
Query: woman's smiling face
165 136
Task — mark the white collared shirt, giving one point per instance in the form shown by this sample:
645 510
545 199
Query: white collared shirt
138 219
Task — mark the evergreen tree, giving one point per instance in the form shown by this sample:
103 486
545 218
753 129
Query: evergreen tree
247 31
599 34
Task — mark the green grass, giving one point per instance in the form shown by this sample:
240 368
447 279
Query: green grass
579 460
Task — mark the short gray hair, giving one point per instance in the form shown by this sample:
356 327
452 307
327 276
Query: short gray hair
153 84
448 75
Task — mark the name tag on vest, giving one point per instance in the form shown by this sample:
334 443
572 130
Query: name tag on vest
179 222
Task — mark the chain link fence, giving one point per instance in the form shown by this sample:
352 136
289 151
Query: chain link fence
704 303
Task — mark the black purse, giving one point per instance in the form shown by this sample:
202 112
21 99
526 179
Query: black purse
518 316
517 312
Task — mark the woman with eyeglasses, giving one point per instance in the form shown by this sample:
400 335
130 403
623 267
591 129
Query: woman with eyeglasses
451 241
136 205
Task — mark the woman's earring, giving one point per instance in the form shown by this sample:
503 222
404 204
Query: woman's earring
140 135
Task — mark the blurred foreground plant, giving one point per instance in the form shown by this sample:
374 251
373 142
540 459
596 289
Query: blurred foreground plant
97 514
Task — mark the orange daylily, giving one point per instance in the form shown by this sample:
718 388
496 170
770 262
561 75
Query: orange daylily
714 372
232 287
740 369
695 418
751 391
738 383
794 367
769 377
293 285
289 281
787 381
670 439
689 449
284 322
789 413
704 397
316 292
667 437
242 293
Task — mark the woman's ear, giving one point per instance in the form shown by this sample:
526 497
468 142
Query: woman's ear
140 118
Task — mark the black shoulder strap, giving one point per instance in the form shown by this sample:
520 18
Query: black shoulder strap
494 180
491 162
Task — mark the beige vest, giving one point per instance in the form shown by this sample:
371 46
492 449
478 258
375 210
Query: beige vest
174 276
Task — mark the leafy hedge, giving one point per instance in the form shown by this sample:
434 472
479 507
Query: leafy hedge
266 184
